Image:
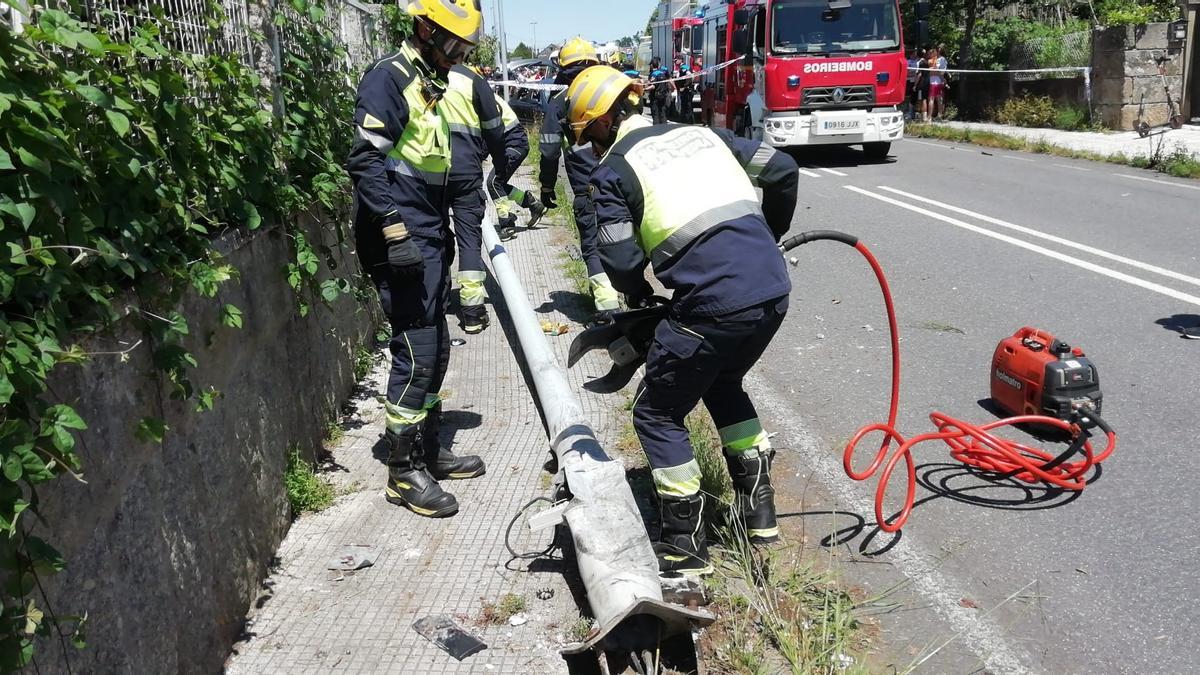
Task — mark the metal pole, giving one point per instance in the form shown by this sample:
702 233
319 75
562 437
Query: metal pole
615 558
534 48
503 45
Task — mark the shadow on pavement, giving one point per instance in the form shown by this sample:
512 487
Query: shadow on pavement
835 156
1178 323
575 306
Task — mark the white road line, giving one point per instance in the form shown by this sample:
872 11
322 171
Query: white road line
1075 168
1049 237
1091 267
836 173
932 145
978 632
1018 159
810 174
1155 180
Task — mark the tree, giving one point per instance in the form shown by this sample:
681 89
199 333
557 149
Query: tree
485 52
625 43
521 51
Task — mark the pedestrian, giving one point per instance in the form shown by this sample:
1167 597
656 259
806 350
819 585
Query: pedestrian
711 243
937 83
574 57
399 166
912 99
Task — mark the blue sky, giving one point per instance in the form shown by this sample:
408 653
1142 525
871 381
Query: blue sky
560 19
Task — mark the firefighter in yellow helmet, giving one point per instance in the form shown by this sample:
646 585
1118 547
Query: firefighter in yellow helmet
399 165
682 199
574 57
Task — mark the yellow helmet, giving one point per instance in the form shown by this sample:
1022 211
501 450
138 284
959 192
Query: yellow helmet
614 58
462 18
593 93
577 50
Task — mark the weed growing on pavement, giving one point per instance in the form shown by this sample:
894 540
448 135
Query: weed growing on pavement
579 630
334 433
714 477
1178 162
534 158
502 610
364 360
306 491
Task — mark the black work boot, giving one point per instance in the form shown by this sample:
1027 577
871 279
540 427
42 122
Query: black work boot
508 228
755 498
409 483
536 211
475 319
442 463
682 546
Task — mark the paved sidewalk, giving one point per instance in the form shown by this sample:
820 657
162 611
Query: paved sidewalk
312 620
1127 143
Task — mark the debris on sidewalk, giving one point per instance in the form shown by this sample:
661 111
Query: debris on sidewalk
353 557
443 632
555 328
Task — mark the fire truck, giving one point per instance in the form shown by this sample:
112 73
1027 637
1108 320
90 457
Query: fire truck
676 33
810 72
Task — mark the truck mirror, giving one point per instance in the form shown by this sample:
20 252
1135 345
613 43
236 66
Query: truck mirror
741 41
922 9
922 33
741 17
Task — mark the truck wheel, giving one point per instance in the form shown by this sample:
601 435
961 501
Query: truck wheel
877 151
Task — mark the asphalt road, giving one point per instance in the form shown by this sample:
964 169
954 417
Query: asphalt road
977 244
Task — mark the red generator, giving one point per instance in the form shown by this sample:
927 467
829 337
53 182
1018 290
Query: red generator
1033 373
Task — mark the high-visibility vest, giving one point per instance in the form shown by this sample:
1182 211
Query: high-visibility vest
423 150
689 182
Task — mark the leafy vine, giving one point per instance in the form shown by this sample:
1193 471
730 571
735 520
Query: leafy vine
120 160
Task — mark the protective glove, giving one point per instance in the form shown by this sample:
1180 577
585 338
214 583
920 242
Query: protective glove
548 199
405 258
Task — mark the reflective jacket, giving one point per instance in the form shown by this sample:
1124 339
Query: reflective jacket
476 125
403 145
516 142
682 198
580 160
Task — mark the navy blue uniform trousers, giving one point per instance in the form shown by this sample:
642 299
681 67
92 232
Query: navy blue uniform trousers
415 307
696 358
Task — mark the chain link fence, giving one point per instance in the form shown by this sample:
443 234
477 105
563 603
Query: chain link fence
188 26
1073 50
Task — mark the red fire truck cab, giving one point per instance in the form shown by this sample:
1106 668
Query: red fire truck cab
811 72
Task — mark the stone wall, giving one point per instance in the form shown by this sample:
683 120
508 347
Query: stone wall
1126 78
167 545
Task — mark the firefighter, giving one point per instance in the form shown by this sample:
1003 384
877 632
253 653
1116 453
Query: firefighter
687 90
576 55
477 130
508 197
399 165
711 242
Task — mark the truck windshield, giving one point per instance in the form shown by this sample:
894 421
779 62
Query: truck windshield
811 27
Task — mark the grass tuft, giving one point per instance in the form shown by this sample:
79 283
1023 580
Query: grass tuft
306 491
500 611
1177 162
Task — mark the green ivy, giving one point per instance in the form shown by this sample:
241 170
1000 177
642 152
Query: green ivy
120 161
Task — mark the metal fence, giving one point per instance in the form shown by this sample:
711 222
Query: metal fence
185 26
1073 50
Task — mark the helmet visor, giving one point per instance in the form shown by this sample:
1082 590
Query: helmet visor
454 48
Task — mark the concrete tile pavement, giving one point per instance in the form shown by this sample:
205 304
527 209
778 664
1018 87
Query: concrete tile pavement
309 619
1127 143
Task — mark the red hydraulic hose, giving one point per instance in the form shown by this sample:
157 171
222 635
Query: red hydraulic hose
970 444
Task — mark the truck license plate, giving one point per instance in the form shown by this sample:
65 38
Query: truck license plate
841 126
